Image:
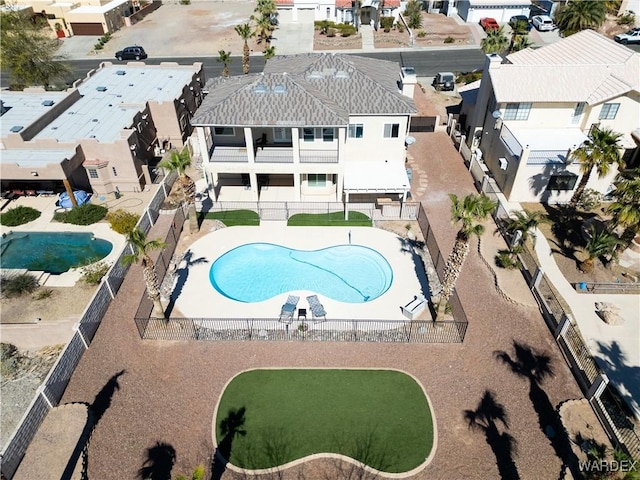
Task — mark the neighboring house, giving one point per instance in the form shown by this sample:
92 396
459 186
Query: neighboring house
313 127
102 135
339 11
532 111
473 10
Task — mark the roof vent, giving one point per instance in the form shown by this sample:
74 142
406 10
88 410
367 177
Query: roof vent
16 128
54 128
47 103
101 89
131 84
92 136
316 75
121 72
342 74
94 120
280 89
260 88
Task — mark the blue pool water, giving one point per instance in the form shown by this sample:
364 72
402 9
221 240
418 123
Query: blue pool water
258 271
52 252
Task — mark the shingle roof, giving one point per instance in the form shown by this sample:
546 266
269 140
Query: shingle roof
315 89
584 67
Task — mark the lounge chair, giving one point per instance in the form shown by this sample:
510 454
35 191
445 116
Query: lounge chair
287 310
317 310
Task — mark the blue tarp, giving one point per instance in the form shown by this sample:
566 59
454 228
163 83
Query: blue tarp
82 197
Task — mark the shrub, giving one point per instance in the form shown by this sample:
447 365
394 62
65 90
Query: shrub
9 360
185 2
627 18
413 12
19 216
86 214
98 46
324 25
43 293
331 32
93 273
122 221
468 78
17 284
507 259
386 23
400 27
449 40
198 474
422 34
347 30
590 199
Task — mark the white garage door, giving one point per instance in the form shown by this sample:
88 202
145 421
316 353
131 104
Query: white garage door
502 15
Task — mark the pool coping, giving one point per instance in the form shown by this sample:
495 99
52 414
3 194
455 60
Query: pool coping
338 456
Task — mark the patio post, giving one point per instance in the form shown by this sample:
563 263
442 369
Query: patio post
346 205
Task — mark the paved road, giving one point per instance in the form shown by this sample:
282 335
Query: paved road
426 63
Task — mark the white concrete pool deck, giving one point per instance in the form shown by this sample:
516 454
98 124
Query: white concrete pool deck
198 299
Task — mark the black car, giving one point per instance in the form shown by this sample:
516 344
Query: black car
131 53
520 18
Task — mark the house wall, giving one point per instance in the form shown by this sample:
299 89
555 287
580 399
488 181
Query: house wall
627 118
472 10
373 145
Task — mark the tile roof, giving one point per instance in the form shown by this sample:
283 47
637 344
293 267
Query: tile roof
284 2
308 89
584 67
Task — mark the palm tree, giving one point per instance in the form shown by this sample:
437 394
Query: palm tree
179 161
601 243
141 248
225 59
626 207
269 52
495 41
266 8
580 15
245 33
519 39
526 223
469 211
601 152
263 29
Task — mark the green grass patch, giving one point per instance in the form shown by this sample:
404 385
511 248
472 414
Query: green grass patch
378 417
235 217
333 219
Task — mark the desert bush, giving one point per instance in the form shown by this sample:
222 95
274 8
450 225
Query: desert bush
331 32
93 273
400 27
122 221
9 360
185 2
386 23
413 13
627 18
422 34
449 40
98 46
17 284
468 78
86 214
347 30
507 259
43 293
19 216
589 199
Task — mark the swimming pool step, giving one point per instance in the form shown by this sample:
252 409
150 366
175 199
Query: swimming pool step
41 277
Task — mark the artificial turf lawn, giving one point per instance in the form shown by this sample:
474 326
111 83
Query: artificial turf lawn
235 217
378 417
333 219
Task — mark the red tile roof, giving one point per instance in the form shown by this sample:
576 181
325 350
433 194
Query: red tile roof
284 2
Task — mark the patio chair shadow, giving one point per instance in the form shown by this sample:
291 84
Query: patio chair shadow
411 247
490 417
536 367
231 426
159 462
182 274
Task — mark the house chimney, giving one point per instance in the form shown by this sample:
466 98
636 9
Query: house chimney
408 80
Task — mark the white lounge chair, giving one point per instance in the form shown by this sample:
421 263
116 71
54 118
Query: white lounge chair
287 310
317 310
415 307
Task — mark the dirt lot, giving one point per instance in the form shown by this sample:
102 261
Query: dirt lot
322 42
435 30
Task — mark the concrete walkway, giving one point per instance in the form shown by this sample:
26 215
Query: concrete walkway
293 38
366 31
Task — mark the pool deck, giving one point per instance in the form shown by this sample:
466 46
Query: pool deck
198 299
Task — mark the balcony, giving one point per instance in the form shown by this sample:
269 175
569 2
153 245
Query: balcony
229 154
274 155
318 156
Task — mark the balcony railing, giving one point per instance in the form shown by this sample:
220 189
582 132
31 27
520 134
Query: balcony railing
274 155
510 141
229 154
318 156
544 157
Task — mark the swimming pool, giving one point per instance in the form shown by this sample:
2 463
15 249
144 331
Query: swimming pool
258 271
51 252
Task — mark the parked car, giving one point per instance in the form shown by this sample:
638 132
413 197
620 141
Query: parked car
543 23
444 81
489 23
632 36
520 18
131 53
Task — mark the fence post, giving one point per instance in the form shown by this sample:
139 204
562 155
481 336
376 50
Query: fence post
562 327
598 387
41 392
537 276
76 328
150 218
462 140
106 280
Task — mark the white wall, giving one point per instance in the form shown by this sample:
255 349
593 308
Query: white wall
373 145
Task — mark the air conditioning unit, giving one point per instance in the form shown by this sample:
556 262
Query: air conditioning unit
503 163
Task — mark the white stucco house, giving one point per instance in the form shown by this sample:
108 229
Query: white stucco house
339 11
472 11
311 127
532 109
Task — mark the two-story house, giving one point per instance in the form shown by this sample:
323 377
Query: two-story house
339 11
311 127
534 108
103 134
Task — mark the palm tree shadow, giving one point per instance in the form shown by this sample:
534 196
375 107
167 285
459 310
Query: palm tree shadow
486 418
182 273
102 401
412 247
159 462
536 367
230 427
620 371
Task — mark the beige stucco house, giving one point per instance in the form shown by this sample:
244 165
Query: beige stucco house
312 127
103 135
532 109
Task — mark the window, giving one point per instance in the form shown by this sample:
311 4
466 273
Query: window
317 179
577 113
517 111
281 134
224 131
609 111
93 173
308 134
356 130
327 134
562 181
391 130
115 172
